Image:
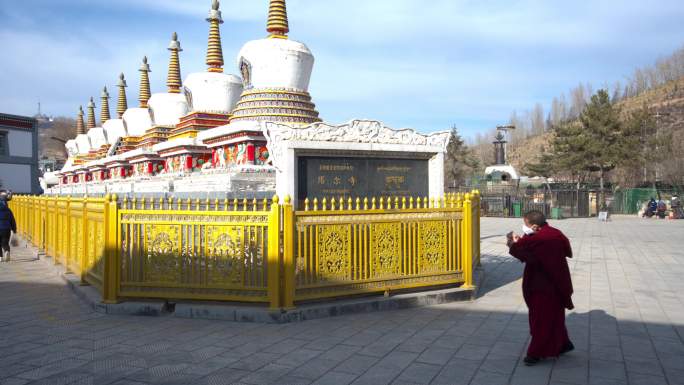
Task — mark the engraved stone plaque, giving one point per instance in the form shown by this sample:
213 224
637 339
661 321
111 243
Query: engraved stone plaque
335 177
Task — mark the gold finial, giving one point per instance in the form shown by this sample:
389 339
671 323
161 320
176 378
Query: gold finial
173 81
277 24
122 103
91 114
80 126
145 92
214 50
104 108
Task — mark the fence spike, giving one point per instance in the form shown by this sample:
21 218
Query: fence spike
332 204
244 204
306 204
315 204
373 204
265 204
358 203
403 203
382 203
350 205
288 199
365 203
235 204
324 203
255 203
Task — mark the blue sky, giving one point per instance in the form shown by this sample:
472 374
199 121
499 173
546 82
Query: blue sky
425 64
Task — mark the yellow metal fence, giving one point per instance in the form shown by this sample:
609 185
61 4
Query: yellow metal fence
255 251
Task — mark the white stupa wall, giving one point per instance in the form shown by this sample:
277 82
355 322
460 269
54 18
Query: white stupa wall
83 143
114 129
137 121
277 63
71 147
167 109
212 92
97 136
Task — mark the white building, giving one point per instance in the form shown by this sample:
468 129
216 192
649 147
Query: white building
18 154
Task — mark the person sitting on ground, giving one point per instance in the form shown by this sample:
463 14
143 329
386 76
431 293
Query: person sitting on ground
547 285
651 208
7 226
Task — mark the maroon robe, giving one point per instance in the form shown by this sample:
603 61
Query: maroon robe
547 288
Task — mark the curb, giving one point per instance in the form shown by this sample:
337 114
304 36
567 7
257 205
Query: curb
259 314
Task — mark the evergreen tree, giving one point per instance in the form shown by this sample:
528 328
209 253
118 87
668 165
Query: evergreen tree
459 161
569 147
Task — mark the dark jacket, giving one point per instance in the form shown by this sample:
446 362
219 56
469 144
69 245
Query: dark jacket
7 221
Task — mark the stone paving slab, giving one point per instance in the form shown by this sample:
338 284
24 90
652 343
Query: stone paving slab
628 327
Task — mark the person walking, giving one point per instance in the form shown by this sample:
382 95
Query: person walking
7 227
547 285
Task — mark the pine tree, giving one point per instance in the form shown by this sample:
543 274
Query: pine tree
459 161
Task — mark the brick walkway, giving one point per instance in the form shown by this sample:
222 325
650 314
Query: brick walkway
628 328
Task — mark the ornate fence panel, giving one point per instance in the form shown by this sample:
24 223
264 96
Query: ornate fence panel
206 255
255 251
62 231
344 249
93 254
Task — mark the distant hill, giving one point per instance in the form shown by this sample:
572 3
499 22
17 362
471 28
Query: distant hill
666 102
50 136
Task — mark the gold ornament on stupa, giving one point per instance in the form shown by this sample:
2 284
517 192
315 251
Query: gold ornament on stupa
173 81
122 103
80 125
145 92
91 114
104 108
214 50
277 24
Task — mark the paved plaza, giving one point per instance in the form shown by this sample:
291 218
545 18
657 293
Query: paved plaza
628 327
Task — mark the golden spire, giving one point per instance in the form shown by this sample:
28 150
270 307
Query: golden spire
214 50
80 126
104 107
122 104
174 79
144 83
277 24
91 114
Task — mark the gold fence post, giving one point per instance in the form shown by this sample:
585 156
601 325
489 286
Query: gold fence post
273 257
477 233
288 255
67 235
467 242
83 258
110 276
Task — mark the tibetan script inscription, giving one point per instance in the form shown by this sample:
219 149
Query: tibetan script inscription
361 177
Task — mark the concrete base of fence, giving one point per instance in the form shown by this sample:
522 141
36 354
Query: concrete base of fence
326 309
260 314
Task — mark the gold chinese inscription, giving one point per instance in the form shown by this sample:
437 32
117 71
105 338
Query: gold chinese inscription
333 252
431 246
386 248
162 254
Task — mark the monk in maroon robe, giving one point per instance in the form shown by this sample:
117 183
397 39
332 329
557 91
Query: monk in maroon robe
547 286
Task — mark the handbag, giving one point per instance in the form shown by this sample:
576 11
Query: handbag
14 241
